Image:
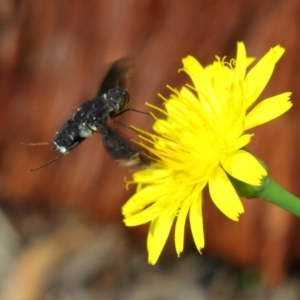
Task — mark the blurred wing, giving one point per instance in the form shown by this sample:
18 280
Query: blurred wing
119 74
122 149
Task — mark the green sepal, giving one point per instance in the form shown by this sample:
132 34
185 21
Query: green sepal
247 190
270 191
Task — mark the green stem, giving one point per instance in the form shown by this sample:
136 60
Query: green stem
276 194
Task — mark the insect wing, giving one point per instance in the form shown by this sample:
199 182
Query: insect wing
119 75
121 148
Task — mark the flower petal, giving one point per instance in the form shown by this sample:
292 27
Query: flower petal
258 77
153 175
268 110
180 226
239 143
245 167
224 195
196 222
142 199
241 60
157 236
200 77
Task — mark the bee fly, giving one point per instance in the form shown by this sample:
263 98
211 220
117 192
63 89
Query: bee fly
91 116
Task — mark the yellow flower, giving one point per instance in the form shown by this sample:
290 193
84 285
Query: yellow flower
199 142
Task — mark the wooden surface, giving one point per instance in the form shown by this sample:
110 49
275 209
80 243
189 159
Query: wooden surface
53 56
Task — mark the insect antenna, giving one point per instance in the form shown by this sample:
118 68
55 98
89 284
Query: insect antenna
35 144
52 160
47 163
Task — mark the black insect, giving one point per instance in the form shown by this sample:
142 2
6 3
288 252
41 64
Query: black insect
111 101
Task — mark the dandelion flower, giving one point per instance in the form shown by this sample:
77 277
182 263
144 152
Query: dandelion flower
201 142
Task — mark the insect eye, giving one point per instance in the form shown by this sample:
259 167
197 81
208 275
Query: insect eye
118 98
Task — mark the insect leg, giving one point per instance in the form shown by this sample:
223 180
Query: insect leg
121 124
132 109
123 111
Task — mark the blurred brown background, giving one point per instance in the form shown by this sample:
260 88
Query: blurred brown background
54 54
